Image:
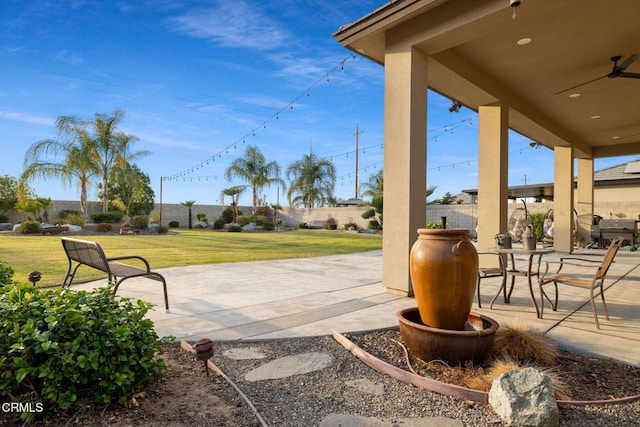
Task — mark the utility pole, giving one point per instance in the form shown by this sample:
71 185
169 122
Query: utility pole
357 134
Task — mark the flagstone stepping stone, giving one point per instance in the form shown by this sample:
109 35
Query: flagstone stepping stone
290 365
247 353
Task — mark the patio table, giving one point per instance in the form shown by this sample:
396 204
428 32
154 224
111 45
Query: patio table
529 273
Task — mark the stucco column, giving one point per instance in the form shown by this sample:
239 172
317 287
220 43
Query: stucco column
405 163
563 199
493 165
584 199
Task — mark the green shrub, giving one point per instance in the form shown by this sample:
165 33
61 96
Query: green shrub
434 225
140 221
109 217
268 226
4 218
162 229
537 220
227 215
66 347
374 225
30 227
351 226
219 224
256 219
66 213
202 217
235 228
103 227
174 224
74 219
6 274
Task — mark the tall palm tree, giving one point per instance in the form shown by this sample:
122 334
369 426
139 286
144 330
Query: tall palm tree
235 193
374 185
112 149
70 159
189 204
312 180
254 169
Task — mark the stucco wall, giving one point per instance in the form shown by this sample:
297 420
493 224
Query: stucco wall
458 216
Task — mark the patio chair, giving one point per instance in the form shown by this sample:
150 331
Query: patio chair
580 279
488 272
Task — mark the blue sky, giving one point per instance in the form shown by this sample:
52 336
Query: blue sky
201 80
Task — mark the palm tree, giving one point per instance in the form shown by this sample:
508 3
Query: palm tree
311 181
189 204
69 160
235 193
374 185
112 149
254 169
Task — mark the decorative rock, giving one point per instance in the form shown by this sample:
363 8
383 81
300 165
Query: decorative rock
5 226
245 353
73 228
524 398
249 227
290 365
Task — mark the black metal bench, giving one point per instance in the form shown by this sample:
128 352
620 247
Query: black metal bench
84 252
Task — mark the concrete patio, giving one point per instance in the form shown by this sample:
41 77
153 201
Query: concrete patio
315 296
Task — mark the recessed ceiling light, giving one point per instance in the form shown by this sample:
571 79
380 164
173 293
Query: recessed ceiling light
574 95
615 137
524 41
595 117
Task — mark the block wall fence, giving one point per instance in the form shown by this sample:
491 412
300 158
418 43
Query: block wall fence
458 216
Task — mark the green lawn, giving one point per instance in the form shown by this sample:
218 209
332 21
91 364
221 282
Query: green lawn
187 247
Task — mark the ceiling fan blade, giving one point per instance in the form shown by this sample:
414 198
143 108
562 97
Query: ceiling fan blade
630 75
627 62
581 84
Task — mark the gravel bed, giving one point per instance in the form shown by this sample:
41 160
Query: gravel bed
305 400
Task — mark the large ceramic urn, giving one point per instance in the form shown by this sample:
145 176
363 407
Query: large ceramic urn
444 273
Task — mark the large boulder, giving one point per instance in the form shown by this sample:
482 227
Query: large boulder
524 398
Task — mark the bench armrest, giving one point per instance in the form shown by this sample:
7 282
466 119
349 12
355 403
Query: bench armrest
121 258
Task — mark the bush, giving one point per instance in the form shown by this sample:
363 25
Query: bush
235 228
227 215
66 213
30 227
74 219
140 221
103 227
66 347
174 224
219 224
374 225
4 218
351 226
536 219
434 225
6 274
256 219
109 217
268 226
202 217
162 229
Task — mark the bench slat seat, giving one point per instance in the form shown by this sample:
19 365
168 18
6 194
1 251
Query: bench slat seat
84 252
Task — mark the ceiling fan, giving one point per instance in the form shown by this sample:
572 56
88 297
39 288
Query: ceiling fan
617 71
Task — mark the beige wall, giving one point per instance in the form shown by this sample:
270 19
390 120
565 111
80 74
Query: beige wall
458 216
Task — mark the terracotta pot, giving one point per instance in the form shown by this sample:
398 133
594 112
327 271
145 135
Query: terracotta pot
444 271
454 347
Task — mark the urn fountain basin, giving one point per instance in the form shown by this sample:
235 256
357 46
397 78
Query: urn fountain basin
473 343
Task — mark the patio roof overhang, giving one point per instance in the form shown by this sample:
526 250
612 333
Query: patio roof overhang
474 57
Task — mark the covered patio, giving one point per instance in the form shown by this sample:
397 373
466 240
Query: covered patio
564 74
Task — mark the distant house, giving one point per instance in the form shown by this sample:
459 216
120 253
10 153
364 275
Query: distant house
351 202
619 183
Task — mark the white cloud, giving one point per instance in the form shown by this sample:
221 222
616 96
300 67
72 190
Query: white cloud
26 118
233 23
